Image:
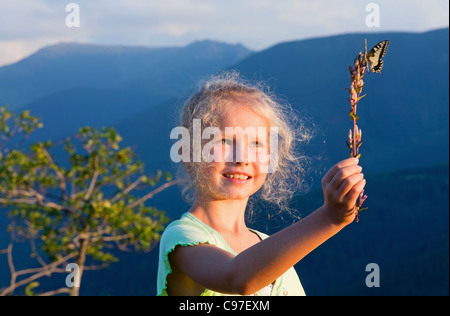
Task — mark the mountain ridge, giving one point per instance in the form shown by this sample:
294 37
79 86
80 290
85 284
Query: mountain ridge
71 65
400 132
404 116
312 75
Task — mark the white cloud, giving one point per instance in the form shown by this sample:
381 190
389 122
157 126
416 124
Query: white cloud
176 29
13 51
26 25
415 15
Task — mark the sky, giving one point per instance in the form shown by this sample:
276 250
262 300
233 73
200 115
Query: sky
28 25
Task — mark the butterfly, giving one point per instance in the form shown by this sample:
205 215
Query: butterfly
375 54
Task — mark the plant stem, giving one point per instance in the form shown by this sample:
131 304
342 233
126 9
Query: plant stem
354 144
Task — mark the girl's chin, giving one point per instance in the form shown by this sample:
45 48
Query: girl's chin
238 193
230 195
233 189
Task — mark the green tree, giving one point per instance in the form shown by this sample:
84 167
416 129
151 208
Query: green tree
75 201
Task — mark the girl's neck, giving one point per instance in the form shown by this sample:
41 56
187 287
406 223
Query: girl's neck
221 215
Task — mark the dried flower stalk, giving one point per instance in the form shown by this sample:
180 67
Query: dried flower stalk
355 140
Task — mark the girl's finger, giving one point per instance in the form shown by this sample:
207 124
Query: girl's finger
342 177
349 183
337 167
355 192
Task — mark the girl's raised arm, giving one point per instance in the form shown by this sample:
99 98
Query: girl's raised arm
204 266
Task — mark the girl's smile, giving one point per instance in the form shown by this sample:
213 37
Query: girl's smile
237 176
239 173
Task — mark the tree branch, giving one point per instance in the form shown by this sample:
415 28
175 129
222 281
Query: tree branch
38 272
56 292
37 201
62 184
126 191
36 253
152 193
12 283
93 180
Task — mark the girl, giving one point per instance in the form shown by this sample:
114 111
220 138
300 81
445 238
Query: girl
210 250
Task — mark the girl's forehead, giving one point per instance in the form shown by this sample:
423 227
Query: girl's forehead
242 112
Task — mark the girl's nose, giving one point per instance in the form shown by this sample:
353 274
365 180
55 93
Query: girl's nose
240 154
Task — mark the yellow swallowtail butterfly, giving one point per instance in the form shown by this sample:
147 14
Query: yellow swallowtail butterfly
375 54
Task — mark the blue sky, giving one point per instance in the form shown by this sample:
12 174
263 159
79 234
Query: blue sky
28 25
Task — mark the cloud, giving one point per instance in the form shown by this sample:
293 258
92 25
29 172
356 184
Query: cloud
176 29
13 51
26 25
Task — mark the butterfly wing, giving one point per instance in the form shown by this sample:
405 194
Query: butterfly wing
375 54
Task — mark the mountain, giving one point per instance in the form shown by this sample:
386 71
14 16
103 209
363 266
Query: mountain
72 85
404 116
162 72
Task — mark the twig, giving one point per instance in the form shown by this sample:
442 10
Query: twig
93 180
56 292
127 190
62 184
152 193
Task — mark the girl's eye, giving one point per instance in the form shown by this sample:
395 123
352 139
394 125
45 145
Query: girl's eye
226 142
257 144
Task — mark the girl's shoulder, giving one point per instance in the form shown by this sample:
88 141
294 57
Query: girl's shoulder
183 227
188 231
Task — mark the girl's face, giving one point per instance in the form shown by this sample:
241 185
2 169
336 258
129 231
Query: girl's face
244 148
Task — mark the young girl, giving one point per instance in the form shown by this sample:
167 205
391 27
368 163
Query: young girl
210 250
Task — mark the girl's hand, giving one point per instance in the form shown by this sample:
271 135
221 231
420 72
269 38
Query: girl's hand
342 186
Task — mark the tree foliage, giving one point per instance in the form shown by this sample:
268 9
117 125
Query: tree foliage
78 200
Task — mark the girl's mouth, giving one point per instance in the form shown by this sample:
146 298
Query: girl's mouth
237 177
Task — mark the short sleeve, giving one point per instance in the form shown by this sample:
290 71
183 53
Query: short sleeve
187 231
178 233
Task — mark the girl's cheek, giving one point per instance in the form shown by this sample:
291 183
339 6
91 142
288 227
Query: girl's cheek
263 160
227 154
219 153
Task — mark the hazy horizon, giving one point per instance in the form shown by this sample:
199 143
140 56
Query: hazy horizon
29 25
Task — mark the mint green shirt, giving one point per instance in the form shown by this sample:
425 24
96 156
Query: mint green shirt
190 231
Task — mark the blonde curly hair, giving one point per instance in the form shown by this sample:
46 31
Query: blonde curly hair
209 101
